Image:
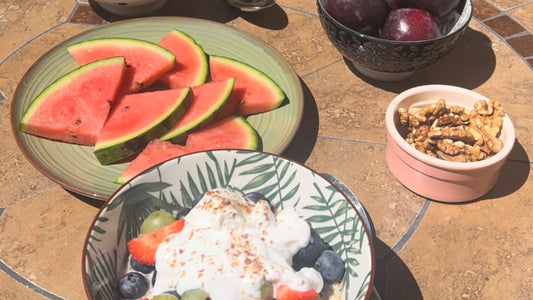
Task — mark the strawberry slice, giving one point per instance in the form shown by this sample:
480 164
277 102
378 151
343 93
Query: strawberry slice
143 247
283 292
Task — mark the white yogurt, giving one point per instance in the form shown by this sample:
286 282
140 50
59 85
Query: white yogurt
230 246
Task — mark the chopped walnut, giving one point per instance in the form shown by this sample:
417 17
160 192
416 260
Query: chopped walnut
461 133
455 133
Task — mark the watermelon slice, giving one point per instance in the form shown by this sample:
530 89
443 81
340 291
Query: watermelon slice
156 151
191 67
254 92
146 61
230 133
137 119
73 109
208 99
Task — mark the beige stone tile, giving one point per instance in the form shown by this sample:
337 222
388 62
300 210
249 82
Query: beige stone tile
42 237
22 21
12 289
507 4
349 107
19 178
305 5
524 15
315 51
480 250
363 168
16 66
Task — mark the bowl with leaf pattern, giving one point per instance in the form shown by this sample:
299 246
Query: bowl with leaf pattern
173 185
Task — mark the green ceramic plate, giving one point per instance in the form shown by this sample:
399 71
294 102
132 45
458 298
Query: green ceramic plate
173 185
76 168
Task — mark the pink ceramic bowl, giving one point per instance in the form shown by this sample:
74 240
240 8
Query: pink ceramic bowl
435 178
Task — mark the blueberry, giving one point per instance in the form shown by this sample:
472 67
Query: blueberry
153 277
197 199
185 211
307 256
182 213
331 266
140 267
133 285
256 196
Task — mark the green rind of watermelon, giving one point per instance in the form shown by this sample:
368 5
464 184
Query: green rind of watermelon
208 99
230 133
74 108
233 132
192 67
137 119
156 151
147 61
254 91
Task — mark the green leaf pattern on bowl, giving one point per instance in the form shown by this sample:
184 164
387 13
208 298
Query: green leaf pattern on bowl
173 185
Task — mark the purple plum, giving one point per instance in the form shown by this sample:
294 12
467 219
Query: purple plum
365 16
395 4
409 24
437 8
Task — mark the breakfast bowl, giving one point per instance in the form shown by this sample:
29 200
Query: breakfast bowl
390 60
131 8
443 177
187 189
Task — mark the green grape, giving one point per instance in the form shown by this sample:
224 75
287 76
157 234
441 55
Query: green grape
267 291
195 294
165 297
156 220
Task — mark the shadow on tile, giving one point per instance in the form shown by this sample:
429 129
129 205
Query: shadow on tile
272 18
303 143
214 10
514 174
88 200
469 64
393 279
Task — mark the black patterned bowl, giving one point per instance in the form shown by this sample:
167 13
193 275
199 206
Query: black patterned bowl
388 60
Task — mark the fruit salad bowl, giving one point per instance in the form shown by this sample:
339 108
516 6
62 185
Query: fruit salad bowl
391 60
177 189
444 177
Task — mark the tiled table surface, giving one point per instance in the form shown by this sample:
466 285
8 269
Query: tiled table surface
424 249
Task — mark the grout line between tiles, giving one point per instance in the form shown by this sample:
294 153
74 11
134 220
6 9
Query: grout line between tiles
412 229
321 68
38 192
505 41
381 264
73 11
22 280
350 140
300 10
26 43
